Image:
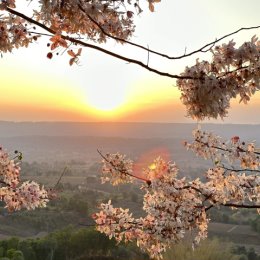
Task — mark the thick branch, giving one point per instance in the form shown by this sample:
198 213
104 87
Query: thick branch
79 42
118 56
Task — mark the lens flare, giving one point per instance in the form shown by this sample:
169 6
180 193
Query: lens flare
146 160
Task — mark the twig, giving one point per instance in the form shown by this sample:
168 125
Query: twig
123 171
148 56
62 174
239 170
245 206
222 149
202 49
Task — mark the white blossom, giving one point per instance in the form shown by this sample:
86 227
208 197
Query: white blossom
232 72
16 194
174 205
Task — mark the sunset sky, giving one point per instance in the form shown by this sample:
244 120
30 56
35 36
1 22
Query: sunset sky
101 88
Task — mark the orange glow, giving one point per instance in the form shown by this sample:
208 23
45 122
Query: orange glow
105 89
147 158
152 166
121 103
34 96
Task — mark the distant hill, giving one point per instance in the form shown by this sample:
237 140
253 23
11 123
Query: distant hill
133 130
56 141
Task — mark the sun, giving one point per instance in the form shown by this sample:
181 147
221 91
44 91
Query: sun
105 103
105 100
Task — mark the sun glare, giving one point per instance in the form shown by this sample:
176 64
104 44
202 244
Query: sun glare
105 104
105 100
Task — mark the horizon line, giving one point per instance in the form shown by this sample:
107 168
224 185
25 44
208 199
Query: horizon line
126 122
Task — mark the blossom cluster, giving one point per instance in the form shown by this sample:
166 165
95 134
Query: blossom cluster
7 3
77 16
92 19
236 173
9 170
222 152
14 33
114 165
229 188
174 205
16 194
232 72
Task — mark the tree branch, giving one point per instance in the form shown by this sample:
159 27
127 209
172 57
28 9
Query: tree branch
222 149
245 206
238 170
62 174
122 170
3 182
79 42
202 49
121 57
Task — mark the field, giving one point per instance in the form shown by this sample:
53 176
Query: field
238 234
50 181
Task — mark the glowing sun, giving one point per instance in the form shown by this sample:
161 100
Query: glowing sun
105 99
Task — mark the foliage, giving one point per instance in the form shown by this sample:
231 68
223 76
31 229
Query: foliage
208 250
255 224
69 243
243 253
87 244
